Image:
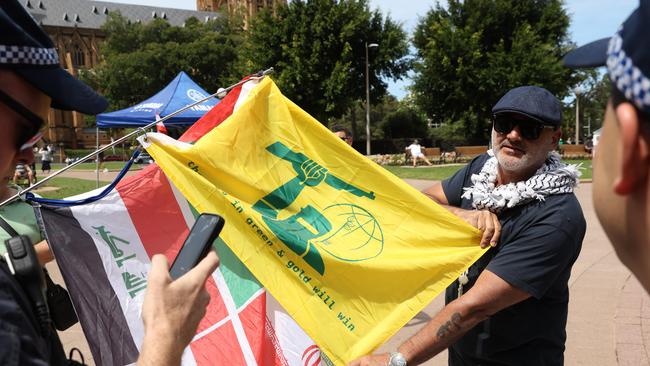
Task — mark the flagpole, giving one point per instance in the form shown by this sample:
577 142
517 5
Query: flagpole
221 93
97 160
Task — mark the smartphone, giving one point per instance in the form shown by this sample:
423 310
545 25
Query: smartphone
199 241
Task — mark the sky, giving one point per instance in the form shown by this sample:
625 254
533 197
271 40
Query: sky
590 19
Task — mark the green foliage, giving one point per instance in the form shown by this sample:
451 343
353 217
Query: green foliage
441 172
473 52
317 48
389 119
593 101
140 59
449 135
404 122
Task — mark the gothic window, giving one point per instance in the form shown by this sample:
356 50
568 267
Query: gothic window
78 57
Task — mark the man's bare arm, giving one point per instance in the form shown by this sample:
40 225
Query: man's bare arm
489 295
43 252
436 193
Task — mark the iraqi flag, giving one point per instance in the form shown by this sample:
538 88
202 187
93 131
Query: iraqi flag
103 250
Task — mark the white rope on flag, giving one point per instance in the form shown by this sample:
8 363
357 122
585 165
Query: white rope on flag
184 206
234 316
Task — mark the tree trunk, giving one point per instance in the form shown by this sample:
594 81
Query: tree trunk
353 122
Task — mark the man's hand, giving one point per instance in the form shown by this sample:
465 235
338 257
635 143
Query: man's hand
43 252
374 360
485 221
172 310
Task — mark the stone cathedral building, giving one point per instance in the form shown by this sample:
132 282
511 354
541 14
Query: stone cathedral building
74 26
247 8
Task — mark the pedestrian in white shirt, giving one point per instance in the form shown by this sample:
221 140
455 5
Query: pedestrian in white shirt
46 160
416 152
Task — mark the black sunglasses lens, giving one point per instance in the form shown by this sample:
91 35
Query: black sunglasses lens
31 122
529 130
503 124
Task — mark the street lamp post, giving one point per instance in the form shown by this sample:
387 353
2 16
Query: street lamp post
371 45
577 91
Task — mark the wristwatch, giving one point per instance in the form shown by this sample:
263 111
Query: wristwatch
396 359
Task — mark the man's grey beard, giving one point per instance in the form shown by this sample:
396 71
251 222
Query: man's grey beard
525 162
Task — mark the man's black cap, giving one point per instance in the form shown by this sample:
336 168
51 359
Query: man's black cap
27 50
626 54
531 101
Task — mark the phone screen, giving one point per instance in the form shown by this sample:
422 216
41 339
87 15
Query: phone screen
197 244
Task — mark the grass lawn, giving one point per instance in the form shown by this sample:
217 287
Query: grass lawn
72 186
436 172
439 172
585 167
110 165
68 187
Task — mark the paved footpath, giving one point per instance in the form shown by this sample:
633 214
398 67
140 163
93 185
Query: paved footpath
609 313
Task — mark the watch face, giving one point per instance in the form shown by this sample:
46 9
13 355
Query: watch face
397 359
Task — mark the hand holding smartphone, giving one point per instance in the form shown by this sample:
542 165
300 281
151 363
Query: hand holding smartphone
199 241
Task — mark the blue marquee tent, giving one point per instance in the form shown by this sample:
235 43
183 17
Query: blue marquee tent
181 92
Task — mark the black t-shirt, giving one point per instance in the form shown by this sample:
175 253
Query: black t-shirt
539 243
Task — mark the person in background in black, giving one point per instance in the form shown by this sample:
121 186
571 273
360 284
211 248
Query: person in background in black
343 133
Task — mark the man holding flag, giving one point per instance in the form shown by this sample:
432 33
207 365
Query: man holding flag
510 307
320 226
31 80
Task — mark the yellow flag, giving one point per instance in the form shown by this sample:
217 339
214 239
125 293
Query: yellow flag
349 250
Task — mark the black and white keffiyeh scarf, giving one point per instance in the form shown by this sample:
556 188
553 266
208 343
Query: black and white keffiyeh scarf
554 177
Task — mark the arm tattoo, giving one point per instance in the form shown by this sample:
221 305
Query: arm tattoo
448 327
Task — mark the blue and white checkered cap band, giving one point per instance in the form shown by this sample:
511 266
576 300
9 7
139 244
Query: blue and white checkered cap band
628 78
22 55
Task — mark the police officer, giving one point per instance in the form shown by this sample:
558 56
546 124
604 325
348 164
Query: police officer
622 158
31 80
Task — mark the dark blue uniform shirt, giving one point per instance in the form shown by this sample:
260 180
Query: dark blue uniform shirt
21 341
539 243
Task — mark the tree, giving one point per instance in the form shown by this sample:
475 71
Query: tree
140 59
593 100
404 123
317 48
473 52
380 112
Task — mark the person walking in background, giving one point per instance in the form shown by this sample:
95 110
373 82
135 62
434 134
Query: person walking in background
32 165
46 159
416 152
100 161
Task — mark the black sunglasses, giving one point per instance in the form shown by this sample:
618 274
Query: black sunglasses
32 121
529 128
